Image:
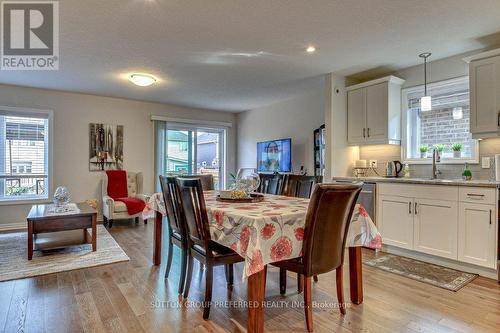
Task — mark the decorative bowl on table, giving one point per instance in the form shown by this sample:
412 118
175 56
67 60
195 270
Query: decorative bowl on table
239 196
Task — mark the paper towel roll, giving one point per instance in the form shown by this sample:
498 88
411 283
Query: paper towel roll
497 167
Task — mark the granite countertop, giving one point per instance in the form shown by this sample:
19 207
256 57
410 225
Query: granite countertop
428 181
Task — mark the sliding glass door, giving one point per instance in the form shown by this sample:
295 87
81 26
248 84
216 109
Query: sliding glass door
192 150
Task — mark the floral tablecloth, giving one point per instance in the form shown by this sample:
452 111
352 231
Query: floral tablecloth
268 231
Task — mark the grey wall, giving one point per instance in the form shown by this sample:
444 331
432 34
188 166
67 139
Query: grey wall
72 115
295 118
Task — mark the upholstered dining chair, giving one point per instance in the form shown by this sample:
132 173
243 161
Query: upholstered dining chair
300 186
271 183
115 210
325 233
176 227
201 247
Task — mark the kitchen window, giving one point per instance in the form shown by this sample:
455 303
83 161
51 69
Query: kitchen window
24 154
445 127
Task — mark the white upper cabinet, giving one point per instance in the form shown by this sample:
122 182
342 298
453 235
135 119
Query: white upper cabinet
374 112
484 71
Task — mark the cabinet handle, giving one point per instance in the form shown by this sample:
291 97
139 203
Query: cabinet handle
368 131
498 118
409 208
364 129
415 209
490 216
475 196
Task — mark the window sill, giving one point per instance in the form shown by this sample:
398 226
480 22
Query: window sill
443 161
24 201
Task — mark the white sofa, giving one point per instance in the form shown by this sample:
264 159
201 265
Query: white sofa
115 210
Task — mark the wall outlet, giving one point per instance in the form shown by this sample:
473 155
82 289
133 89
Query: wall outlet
485 162
373 164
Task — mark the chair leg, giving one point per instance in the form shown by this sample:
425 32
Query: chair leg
189 274
340 289
208 291
308 303
315 278
282 281
300 283
136 219
104 220
145 221
229 270
182 275
110 223
169 258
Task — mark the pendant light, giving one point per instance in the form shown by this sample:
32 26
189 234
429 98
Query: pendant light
425 102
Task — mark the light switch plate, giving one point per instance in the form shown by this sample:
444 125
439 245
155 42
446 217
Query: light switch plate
485 162
373 164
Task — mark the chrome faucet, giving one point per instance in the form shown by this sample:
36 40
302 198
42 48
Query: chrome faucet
435 159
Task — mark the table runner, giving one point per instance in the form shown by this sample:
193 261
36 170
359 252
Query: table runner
268 231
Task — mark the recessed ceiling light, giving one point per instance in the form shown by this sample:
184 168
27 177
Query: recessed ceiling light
142 80
311 49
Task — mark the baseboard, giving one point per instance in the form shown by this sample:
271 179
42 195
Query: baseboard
13 226
465 267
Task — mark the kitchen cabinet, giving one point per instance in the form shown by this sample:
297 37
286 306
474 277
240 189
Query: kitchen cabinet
477 234
397 216
484 81
374 112
435 227
453 222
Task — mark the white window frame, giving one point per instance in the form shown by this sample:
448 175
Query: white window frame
404 126
49 115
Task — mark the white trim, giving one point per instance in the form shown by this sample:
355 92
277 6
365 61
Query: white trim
49 115
13 226
404 129
482 55
390 79
192 121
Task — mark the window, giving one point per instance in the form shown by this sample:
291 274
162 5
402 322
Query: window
24 155
445 127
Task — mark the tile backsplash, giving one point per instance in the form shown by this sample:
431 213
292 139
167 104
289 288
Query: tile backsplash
386 153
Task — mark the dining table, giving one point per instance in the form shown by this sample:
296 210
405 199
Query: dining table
268 231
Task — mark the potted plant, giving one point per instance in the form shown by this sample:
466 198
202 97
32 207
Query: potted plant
457 150
423 151
440 148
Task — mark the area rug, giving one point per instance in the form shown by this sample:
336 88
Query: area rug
15 265
439 276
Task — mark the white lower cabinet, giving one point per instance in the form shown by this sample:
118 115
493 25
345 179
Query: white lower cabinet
440 220
397 226
477 234
435 227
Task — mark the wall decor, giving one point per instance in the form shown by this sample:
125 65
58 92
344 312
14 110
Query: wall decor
106 147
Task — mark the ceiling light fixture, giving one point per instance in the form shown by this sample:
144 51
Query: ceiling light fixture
311 49
426 101
142 80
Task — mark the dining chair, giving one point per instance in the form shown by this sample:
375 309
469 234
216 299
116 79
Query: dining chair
300 186
271 183
176 227
325 233
207 180
201 247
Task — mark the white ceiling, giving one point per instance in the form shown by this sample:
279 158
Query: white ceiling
236 55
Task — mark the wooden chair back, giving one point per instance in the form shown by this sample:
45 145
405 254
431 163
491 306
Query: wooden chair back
300 186
327 224
207 181
271 183
173 205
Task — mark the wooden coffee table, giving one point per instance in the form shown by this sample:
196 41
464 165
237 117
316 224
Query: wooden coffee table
39 222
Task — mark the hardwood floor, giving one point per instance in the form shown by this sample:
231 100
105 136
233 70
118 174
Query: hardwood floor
134 297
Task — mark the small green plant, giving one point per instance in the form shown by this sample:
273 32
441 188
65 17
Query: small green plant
439 147
424 148
456 147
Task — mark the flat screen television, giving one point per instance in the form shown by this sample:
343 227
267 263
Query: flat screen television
274 156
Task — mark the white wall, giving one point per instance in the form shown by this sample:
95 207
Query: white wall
72 115
295 118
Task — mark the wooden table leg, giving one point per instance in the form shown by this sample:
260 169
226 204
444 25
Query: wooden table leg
356 275
30 240
94 232
157 239
256 290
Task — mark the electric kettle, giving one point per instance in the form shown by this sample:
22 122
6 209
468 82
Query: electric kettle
393 169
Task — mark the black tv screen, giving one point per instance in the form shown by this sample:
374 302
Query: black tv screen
274 156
